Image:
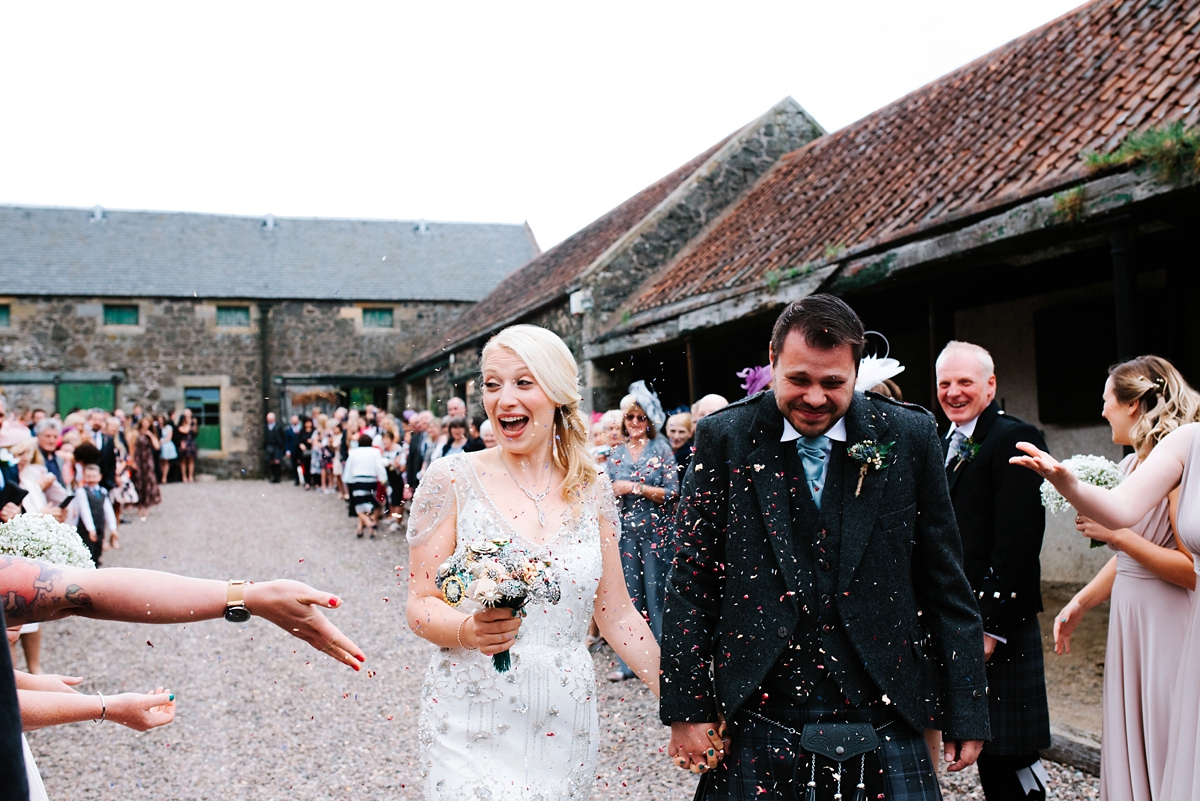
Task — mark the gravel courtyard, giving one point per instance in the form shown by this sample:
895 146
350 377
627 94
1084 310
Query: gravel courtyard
263 716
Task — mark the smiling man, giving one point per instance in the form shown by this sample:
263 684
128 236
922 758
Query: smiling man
816 552
1000 515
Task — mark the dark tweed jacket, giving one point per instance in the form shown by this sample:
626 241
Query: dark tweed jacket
999 511
734 594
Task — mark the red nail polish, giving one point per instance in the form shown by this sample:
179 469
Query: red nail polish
356 667
361 658
333 602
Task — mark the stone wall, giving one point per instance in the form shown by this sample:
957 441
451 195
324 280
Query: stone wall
327 338
177 344
462 365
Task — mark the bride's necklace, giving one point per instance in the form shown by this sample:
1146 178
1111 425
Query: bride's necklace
537 499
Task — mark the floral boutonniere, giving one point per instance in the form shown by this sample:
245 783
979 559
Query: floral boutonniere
872 455
966 450
7 457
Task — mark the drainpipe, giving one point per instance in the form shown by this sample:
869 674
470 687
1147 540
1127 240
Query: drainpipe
264 343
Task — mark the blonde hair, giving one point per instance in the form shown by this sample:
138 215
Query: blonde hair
681 419
554 368
627 403
28 445
612 417
1165 400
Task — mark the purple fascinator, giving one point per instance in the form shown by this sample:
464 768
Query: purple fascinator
755 379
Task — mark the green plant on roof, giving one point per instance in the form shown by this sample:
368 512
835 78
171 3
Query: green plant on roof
626 316
1068 205
1171 153
833 251
775 277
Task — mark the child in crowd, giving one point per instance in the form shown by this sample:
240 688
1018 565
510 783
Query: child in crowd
91 510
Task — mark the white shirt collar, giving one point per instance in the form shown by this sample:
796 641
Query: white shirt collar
838 432
968 428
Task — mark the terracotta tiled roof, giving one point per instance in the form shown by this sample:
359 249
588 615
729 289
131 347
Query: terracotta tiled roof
1006 127
549 276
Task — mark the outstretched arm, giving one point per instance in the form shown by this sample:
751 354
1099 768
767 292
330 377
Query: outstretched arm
620 623
34 591
139 712
1097 591
1128 503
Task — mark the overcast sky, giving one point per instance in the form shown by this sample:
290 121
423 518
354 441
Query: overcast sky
551 113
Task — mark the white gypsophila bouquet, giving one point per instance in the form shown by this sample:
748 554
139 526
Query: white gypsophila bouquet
1094 470
42 537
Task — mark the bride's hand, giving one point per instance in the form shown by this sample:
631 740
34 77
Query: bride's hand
492 630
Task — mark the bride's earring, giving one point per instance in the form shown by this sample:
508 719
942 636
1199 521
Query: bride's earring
554 439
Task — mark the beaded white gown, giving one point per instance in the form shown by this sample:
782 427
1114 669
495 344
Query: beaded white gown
532 732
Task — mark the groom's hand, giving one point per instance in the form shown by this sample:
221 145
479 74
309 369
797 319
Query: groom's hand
961 753
697 747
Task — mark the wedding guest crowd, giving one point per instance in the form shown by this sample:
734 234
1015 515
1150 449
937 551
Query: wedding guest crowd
370 459
136 453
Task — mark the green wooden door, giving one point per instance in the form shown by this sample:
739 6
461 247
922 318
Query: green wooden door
205 403
72 396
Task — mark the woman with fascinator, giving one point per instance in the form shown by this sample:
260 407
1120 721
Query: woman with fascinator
645 481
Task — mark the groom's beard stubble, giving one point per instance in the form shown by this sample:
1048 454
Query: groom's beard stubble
811 429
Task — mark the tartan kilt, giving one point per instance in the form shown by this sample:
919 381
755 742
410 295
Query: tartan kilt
1016 675
764 761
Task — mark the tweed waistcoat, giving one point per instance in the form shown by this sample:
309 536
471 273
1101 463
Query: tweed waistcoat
95 501
814 653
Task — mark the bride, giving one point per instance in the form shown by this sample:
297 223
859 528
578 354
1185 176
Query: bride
531 732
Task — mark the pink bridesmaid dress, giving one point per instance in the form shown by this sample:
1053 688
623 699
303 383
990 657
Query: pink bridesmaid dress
1181 776
1145 640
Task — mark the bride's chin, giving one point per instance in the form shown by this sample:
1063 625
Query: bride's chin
525 446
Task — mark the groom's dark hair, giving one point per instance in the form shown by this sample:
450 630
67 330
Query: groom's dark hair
825 322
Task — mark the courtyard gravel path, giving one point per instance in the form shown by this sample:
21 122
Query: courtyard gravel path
261 715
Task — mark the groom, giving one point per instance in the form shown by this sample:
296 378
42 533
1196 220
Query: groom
819 577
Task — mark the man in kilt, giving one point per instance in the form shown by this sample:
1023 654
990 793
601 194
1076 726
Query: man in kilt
818 579
999 511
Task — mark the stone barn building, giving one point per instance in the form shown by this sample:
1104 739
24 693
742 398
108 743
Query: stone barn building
967 209
230 316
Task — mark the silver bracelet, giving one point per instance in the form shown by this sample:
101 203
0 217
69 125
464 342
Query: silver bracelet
103 708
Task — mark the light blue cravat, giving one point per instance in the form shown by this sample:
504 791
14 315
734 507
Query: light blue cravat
813 453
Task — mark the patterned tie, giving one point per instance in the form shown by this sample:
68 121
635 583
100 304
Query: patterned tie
813 451
956 439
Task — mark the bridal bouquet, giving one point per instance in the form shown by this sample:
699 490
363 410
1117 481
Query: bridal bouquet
42 537
1094 470
497 574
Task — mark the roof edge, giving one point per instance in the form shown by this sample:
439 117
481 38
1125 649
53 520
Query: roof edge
681 192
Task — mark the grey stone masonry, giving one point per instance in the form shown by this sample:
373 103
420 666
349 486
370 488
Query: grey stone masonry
696 203
177 344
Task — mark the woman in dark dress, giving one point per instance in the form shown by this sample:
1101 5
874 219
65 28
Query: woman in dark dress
304 451
145 474
187 446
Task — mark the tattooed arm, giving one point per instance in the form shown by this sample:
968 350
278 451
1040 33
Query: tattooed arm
34 591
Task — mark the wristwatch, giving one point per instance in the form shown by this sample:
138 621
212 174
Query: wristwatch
235 602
